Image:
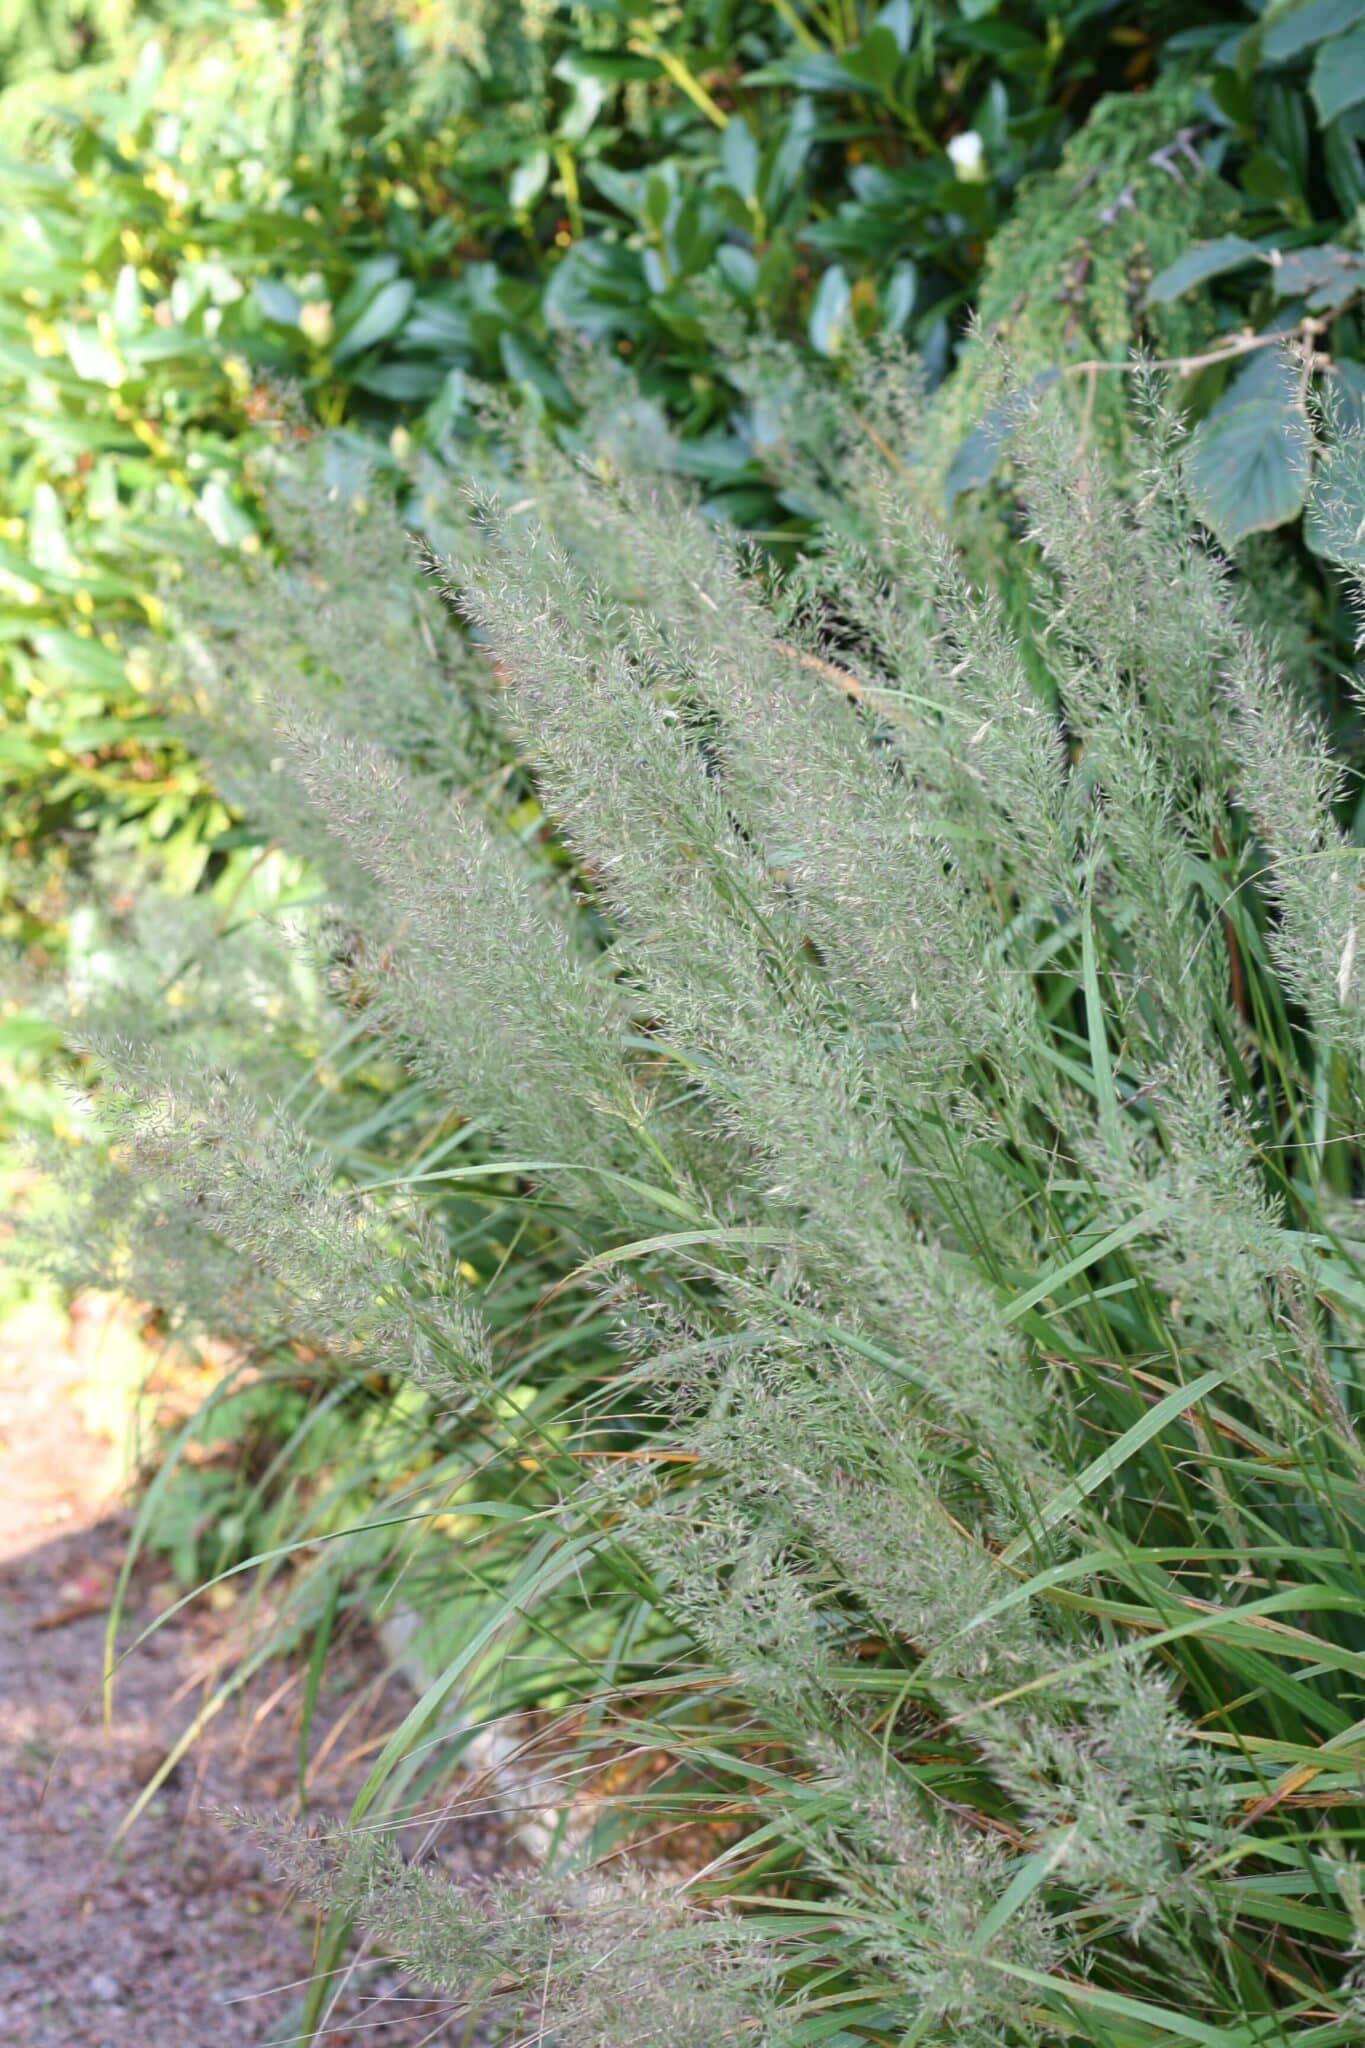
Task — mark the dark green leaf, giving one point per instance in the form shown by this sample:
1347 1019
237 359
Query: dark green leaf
383 316
373 272
1200 262
739 158
977 457
829 322
277 301
1338 80
1344 162
897 296
403 382
1312 23
1326 276
873 64
1248 461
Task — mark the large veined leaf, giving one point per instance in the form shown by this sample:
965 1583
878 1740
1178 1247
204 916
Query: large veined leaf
1326 276
1248 461
1338 80
1307 25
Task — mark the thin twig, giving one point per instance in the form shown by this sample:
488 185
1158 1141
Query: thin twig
1185 366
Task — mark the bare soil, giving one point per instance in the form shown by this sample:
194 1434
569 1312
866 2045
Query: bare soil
174 1937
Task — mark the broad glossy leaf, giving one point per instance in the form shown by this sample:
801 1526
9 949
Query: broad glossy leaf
1325 276
829 321
739 268
1248 461
788 159
1338 80
874 63
589 96
1344 162
896 297
373 272
383 317
899 17
437 323
526 365
599 288
166 344
818 71
403 382
739 157
1312 23
276 301
1200 262
625 190
528 180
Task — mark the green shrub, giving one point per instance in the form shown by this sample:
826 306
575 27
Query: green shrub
385 211
951 1092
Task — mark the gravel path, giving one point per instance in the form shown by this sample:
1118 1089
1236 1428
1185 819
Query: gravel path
175 1938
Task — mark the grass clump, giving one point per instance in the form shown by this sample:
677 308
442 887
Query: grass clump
934 1060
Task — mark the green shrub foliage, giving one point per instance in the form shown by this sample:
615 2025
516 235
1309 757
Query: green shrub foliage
382 208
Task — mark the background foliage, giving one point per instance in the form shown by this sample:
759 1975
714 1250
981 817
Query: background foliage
382 209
